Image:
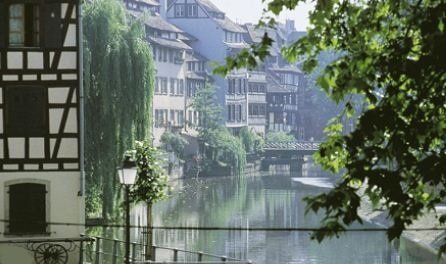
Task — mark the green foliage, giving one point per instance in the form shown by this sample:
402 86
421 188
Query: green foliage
152 183
252 142
392 55
175 142
205 102
118 70
279 136
226 148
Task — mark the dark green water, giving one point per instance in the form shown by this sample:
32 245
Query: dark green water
261 202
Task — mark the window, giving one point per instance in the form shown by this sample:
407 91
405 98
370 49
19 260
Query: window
181 87
165 51
157 88
192 10
25 111
228 37
157 119
24 25
229 112
186 10
163 81
231 88
180 11
154 52
257 110
181 117
172 116
196 118
171 56
189 119
160 54
27 208
172 86
160 117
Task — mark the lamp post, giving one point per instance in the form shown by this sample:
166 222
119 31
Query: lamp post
127 177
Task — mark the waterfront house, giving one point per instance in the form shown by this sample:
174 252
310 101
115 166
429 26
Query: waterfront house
41 179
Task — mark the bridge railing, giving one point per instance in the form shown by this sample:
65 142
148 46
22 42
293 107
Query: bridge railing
292 145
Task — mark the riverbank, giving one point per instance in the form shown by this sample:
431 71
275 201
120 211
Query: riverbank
423 245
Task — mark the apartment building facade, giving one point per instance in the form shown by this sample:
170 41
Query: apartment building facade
169 55
209 37
216 37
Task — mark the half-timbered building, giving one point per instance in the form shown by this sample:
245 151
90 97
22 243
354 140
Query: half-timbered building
41 184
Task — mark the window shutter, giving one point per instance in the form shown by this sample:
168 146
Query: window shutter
27 209
52 27
3 24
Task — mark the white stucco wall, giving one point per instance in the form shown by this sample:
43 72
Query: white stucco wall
63 206
168 101
210 44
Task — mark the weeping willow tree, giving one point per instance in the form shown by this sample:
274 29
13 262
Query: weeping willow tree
118 70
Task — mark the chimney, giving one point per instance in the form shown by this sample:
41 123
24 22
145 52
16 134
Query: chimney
289 25
163 8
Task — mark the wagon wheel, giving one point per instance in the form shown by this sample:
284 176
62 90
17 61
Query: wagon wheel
51 254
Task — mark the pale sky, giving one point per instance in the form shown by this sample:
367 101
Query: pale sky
251 10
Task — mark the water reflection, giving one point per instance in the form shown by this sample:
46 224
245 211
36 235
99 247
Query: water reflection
233 205
257 202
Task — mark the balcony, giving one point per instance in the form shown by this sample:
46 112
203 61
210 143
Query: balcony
257 120
178 60
257 98
234 124
235 97
289 107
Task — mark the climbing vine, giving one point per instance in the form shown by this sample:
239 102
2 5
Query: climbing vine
118 70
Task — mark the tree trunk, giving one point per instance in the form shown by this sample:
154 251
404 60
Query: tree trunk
149 234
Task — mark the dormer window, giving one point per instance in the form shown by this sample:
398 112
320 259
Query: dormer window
186 10
24 25
180 10
192 10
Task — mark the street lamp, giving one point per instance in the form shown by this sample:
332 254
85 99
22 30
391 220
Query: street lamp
127 177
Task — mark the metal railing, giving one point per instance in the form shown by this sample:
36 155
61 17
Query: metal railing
294 145
105 250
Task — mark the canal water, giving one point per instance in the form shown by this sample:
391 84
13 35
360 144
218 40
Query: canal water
226 206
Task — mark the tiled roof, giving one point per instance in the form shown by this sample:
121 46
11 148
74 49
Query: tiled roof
287 68
209 6
171 43
236 45
149 2
195 56
256 35
276 88
157 22
189 36
295 35
196 76
229 25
